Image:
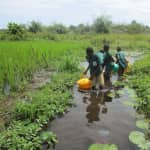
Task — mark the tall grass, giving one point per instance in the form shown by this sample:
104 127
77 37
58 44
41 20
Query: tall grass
19 60
141 83
126 41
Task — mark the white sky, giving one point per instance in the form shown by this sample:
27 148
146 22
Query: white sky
73 11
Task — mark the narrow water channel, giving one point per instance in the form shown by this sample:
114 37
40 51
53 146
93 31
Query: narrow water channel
99 117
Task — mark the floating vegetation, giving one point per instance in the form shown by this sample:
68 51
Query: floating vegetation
103 147
139 139
142 124
111 95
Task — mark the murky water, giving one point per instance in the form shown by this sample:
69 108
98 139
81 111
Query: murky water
99 117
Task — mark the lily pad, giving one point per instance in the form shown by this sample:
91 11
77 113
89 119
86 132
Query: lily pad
142 124
103 147
131 93
120 92
111 95
138 138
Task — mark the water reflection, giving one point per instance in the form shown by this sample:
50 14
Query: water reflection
97 105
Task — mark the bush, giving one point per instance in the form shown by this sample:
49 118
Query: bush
69 63
35 27
15 31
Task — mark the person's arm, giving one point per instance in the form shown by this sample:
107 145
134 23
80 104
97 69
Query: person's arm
126 59
85 72
117 59
114 59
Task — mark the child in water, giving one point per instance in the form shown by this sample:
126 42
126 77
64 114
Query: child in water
121 61
108 62
94 67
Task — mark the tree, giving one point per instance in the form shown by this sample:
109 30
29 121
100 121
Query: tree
16 31
102 24
81 28
73 28
135 27
35 27
58 28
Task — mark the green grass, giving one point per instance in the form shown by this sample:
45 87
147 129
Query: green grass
19 60
31 114
138 42
140 81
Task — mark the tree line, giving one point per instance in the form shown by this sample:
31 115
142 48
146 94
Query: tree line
102 24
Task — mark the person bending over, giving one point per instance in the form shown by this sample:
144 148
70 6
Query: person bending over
121 61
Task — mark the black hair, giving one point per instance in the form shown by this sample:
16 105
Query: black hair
118 48
89 51
106 47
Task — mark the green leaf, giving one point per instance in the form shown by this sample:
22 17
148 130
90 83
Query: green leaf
120 92
137 137
111 95
142 124
103 147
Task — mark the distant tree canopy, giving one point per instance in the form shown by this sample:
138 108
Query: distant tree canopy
135 27
35 27
102 24
58 28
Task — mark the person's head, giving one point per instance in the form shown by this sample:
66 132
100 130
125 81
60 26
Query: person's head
118 49
89 51
106 47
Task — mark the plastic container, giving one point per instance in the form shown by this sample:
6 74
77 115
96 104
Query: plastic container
115 67
84 84
128 68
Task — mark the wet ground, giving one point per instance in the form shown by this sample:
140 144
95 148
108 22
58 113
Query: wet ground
40 79
99 117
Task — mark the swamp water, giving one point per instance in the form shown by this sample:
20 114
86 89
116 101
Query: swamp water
99 117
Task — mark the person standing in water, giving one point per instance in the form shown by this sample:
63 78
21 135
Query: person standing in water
94 67
121 61
108 63
100 55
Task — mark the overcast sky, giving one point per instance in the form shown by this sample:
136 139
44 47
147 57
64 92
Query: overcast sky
73 11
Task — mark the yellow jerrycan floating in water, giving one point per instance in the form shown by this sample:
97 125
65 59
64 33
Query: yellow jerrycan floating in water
84 83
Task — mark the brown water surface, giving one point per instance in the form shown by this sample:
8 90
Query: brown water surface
99 117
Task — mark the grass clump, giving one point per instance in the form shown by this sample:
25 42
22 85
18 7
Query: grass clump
140 81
